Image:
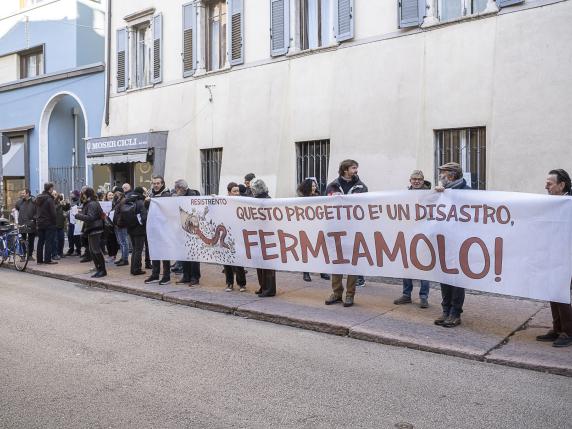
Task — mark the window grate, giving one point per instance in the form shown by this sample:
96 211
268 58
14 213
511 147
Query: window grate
467 146
312 160
211 161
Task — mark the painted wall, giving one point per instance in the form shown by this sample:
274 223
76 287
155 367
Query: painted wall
9 65
378 98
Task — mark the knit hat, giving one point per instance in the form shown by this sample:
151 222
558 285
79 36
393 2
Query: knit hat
138 190
75 193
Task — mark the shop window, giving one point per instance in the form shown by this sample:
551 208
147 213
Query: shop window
316 19
312 160
216 35
466 146
211 161
31 63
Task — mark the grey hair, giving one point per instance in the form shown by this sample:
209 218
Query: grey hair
258 187
182 184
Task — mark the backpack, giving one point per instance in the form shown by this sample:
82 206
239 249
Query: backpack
129 214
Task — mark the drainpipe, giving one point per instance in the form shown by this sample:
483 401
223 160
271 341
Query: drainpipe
108 63
1 176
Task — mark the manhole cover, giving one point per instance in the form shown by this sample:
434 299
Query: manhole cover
403 425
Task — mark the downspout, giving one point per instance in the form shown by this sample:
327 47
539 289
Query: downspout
108 63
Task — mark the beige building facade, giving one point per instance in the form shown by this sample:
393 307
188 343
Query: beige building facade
288 89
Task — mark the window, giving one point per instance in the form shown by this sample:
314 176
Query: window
316 18
451 9
312 159
32 63
142 43
467 147
211 160
216 35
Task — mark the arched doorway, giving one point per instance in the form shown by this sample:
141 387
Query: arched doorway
63 127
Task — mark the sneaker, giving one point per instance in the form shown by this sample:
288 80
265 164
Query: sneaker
242 289
333 299
325 276
151 279
164 281
549 336
194 282
228 288
403 299
307 277
452 321
423 303
360 282
349 301
563 340
55 258
440 320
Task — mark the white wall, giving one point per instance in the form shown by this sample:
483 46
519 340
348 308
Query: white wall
378 102
9 68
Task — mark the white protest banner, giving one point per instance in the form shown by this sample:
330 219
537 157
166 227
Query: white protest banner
507 243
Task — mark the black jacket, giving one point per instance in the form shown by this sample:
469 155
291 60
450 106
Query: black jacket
27 214
192 193
141 210
426 186
342 186
91 214
46 211
164 192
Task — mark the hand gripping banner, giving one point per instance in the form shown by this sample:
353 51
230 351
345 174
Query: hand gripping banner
507 243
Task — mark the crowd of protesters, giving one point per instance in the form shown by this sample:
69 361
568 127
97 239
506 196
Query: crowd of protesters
122 231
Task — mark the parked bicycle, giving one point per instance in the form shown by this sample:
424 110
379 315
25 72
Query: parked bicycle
13 247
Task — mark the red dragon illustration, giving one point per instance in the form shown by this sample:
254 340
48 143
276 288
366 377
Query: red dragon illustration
190 222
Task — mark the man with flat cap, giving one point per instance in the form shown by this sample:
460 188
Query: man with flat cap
451 177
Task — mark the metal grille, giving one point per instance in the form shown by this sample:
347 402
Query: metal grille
211 161
312 160
236 48
467 146
67 179
188 50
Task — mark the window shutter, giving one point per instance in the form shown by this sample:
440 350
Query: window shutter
189 39
504 3
236 33
279 27
122 59
344 20
157 48
411 13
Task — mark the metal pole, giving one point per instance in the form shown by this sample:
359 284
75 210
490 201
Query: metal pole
2 138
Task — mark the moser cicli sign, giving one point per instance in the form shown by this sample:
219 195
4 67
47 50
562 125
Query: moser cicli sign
131 142
507 243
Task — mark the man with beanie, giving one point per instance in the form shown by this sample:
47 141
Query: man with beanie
46 223
451 177
134 216
159 190
26 207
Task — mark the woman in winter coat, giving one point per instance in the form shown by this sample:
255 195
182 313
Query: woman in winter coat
309 188
92 216
266 278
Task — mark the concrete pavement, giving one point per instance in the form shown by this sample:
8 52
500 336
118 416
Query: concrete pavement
495 328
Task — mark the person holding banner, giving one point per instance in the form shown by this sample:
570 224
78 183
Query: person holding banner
266 278
92 215
451 177
347 183
417 182
230 271
558 183
134 216
159 191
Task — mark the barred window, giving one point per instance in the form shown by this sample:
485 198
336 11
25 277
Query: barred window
467 146
211 160
312 160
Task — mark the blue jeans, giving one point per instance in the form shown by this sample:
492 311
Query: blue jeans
59 238
408 288
121 235
45 244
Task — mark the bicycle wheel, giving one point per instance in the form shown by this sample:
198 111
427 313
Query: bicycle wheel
3 251
20 254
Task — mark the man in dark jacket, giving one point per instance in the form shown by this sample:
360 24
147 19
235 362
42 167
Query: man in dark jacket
558 183
159 190
134 215
247 181
417 182
120 228
451 177
347 183
26 207
191 269
46 224
266 278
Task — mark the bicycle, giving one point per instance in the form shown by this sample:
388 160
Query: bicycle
13 246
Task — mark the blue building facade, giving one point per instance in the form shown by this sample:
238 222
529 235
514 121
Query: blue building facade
52 93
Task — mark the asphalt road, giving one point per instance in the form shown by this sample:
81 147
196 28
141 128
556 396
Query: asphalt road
79 357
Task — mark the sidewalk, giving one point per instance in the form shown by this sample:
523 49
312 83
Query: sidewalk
495 329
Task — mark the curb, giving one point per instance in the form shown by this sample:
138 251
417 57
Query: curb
310 325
